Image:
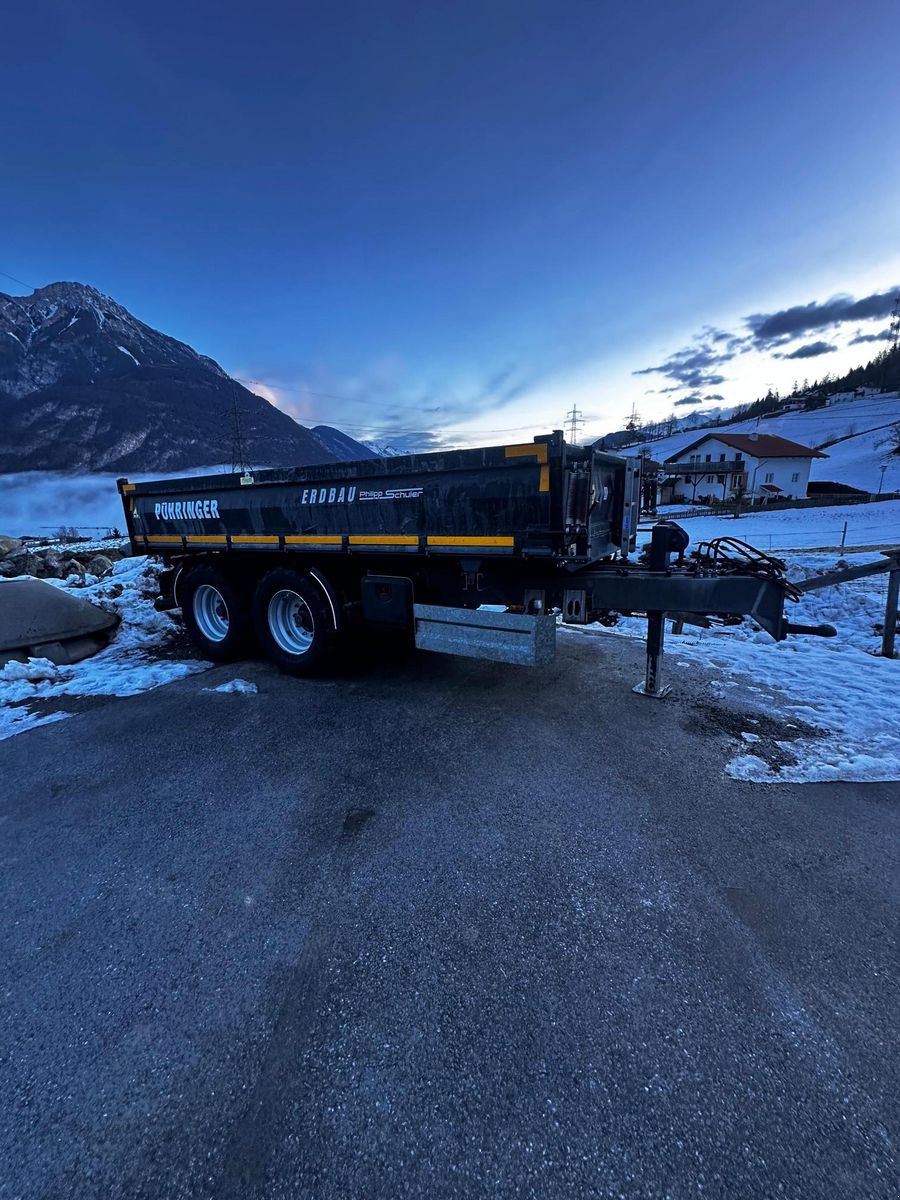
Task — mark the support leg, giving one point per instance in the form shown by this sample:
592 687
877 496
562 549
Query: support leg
656 628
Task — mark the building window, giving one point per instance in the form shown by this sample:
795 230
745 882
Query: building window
795 478
709 458
770 478
720 479
738 457
709 479
721 458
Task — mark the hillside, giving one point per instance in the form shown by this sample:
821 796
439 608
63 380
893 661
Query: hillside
86 386
853 433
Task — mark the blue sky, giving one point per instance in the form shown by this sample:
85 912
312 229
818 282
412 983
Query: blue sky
459 219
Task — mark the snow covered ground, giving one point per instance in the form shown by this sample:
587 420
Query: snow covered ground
857 461
840 697
876 524
134 662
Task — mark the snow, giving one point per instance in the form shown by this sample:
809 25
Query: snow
866 423
240 687
130 355
838 686
875 524
129 665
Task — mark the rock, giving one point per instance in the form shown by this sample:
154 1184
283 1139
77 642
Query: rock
20 562
9 545
50 565
100 565
72 567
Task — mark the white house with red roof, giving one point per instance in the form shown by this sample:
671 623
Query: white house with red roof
721 465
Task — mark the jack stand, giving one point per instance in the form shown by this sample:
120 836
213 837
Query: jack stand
656 629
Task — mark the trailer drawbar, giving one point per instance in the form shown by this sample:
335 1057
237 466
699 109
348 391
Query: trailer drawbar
477 551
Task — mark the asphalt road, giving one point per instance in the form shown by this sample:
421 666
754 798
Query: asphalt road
445 929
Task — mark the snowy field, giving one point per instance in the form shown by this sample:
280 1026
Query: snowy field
864 424
839 694
134 662
876 524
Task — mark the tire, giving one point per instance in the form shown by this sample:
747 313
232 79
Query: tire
293 622
216 614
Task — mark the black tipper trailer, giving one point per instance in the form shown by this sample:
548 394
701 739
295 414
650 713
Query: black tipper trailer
299 556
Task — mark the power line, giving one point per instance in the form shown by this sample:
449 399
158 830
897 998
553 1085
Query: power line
21 282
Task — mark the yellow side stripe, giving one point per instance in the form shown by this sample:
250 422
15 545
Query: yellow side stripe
471 541
128 487
312 539
545 479
536 450
377 539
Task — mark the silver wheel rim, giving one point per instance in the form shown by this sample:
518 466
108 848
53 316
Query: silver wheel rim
211 613
291 622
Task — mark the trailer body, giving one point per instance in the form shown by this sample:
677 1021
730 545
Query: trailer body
530 528
537 499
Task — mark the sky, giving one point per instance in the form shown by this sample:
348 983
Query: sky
448 223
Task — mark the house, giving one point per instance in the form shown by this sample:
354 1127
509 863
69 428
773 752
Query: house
719 466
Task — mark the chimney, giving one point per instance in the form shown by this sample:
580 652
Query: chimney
754 436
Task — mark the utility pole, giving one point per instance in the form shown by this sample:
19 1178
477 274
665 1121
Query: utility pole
238 441
575 421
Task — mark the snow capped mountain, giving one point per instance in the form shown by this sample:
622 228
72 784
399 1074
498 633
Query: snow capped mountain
70 329
384 449
85 385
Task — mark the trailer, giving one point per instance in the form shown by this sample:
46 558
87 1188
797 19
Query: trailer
476 551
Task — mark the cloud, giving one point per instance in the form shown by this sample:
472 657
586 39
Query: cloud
810 350
884 336
789 323
693 367
693 399
412 443
384 404
699 366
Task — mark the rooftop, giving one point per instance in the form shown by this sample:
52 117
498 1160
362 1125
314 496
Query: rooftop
753 445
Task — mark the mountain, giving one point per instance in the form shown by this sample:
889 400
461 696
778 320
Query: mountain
344 448
85 385
385 449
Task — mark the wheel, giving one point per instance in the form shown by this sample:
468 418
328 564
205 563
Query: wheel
293 622
216 614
